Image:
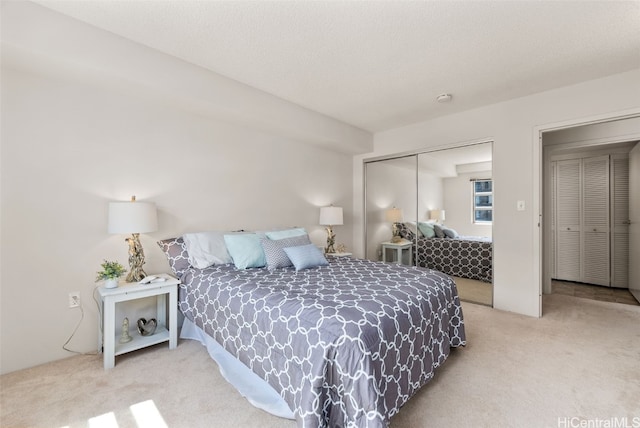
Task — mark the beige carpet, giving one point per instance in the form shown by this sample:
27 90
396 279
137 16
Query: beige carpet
580 360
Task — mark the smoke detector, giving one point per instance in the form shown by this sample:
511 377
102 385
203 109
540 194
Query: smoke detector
443 98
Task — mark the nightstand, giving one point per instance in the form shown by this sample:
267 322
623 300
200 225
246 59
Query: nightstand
400 248
167 329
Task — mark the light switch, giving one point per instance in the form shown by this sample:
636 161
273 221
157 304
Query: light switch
520 205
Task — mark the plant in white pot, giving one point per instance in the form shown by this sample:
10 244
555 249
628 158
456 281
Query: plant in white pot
110 273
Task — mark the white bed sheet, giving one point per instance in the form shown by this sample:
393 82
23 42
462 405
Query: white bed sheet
255 389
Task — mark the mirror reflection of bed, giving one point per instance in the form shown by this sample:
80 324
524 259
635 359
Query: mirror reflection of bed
446 200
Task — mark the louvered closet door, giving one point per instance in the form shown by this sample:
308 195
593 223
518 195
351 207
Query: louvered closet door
568 203
595 225
620 221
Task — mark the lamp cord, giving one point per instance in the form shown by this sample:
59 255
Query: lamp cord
64 346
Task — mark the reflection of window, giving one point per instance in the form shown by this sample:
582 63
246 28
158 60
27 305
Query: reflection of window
482 201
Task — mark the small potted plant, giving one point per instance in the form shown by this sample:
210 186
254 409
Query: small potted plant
110 274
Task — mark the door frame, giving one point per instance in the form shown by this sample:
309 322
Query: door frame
540 245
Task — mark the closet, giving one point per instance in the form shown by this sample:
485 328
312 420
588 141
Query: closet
590 201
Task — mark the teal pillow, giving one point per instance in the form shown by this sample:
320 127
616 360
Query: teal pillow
306 256
426 229
245 250
287 233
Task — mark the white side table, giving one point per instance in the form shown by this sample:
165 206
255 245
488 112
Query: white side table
167 329
400 248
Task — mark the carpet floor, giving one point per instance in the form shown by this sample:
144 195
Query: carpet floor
579 362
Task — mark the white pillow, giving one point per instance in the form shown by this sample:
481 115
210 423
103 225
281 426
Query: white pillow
206 249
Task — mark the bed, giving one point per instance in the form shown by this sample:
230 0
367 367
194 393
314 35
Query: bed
344 345
462 256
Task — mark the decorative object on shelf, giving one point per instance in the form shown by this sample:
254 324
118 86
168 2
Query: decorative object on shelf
110 273
147 328
330 216
341 248
437 215
125 336
395 216
135 218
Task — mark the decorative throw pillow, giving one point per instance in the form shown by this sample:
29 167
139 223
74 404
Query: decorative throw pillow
306 256
406 232
449 233
206 249
427 229
287 233
438 230
176 253
413 227
245 250
274 250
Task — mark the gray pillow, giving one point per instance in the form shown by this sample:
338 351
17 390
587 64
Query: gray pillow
438 230
274 250
176 253
449 233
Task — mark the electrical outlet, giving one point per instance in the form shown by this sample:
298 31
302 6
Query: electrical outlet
74 299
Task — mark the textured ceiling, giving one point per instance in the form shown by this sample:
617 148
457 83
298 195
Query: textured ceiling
380 65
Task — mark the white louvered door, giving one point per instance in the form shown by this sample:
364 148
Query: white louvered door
595 222
568 207
620 221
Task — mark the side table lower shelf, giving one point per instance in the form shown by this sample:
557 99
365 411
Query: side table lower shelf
161 335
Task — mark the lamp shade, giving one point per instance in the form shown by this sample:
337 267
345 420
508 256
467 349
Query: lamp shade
394 215
437 215
132 217
331 216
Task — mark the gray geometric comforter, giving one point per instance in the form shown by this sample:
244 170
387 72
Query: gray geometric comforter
346 345
465 257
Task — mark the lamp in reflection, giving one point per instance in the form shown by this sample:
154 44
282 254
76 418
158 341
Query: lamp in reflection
394 216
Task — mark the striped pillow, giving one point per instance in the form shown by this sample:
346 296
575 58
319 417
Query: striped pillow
274 250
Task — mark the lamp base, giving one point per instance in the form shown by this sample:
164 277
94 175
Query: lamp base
331 241
136 259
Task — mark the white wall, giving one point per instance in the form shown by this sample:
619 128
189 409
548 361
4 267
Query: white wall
458 204
68 149
512 126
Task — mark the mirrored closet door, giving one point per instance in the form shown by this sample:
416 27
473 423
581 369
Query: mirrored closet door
390 200
446 200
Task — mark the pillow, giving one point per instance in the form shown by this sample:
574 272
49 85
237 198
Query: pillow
274 250
306 256
206 249
287 233
438 230
413 227
427 229
405 232
245 250
176 253
449 233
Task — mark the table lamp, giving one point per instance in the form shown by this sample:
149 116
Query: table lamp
330 216
437 215
135 218
395 216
